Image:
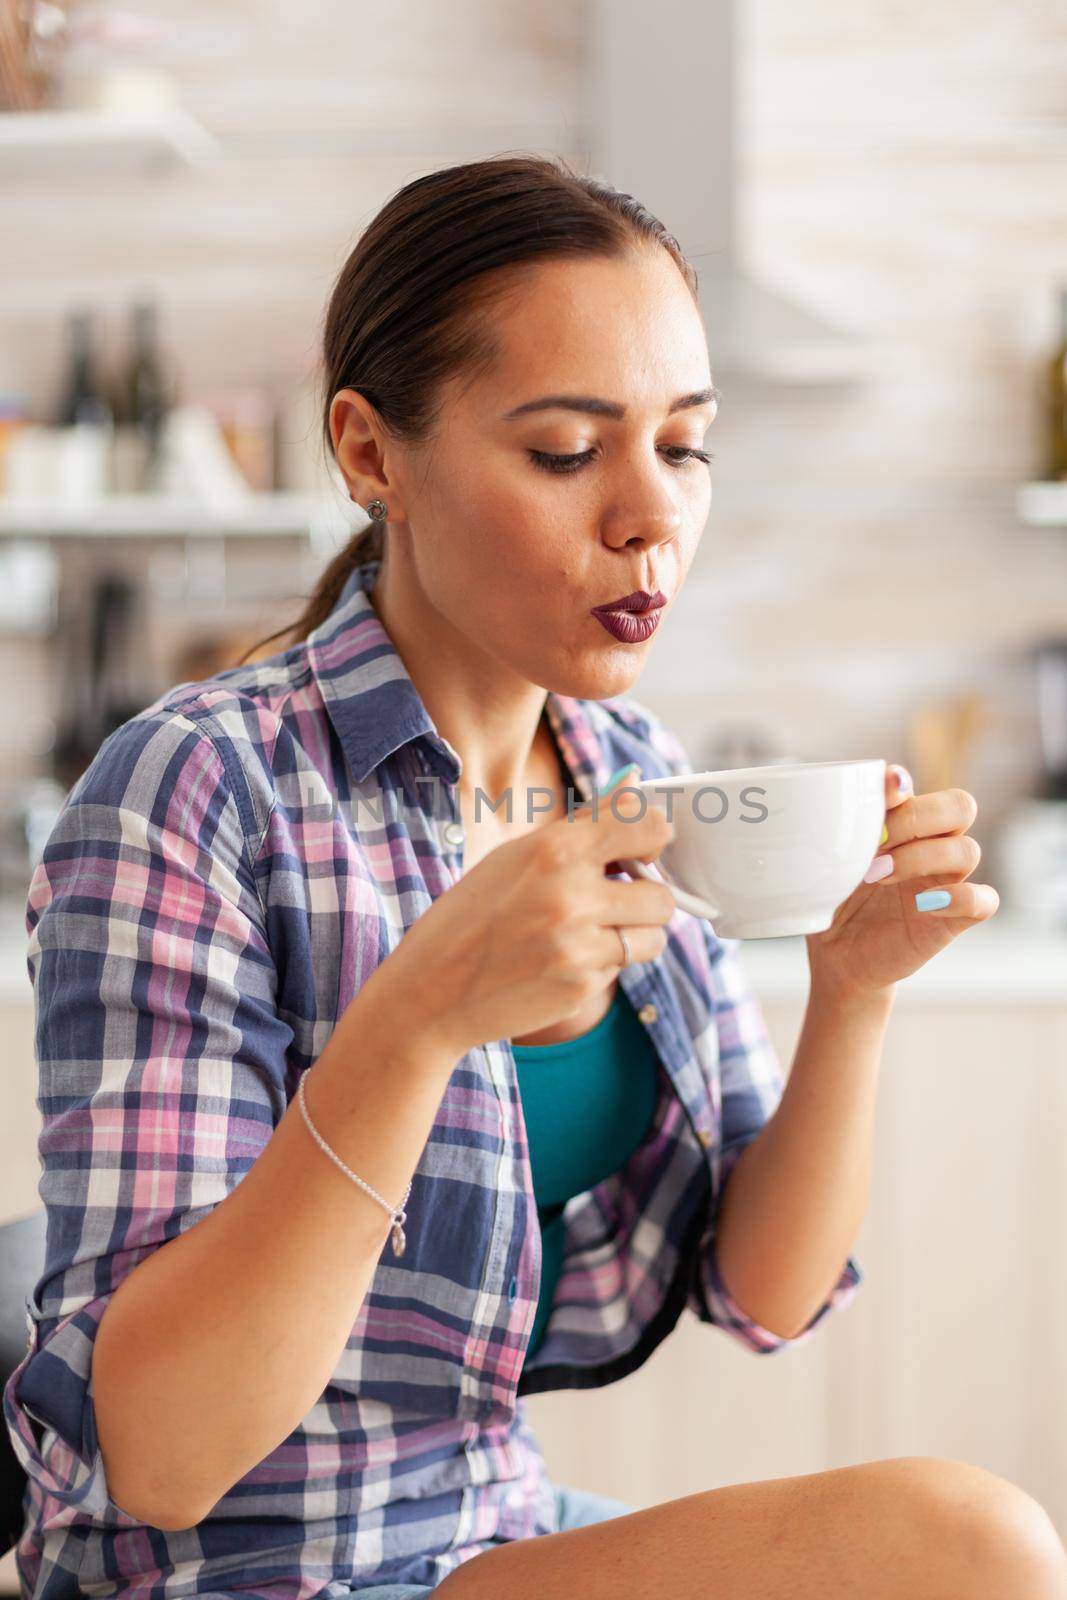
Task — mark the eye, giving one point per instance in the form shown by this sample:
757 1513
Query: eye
574 463
551 463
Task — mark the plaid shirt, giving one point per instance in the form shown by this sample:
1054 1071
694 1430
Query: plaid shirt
234 864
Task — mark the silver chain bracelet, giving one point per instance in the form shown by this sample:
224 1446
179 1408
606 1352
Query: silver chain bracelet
399 1216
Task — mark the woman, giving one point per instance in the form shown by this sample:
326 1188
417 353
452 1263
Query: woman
316 1387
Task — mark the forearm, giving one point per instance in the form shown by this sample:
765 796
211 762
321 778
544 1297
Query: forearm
217 1344
793 1204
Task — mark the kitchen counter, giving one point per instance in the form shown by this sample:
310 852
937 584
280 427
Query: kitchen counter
1005 961
14 976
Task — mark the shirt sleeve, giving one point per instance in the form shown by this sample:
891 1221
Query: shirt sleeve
752 1082
161 1056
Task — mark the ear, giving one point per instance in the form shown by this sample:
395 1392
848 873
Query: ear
359 443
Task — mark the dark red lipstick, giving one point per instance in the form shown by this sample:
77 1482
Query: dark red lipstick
632 618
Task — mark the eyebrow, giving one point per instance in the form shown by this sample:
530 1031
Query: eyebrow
606 408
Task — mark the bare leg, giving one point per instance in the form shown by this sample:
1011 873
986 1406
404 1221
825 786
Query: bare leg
919 1527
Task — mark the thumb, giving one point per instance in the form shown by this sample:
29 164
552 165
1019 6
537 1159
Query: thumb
630 768
619 775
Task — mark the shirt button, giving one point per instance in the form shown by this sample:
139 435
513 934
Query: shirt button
705 1137
453 834
513 1289
648 1013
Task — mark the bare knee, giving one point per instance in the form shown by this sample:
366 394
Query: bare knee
992 1536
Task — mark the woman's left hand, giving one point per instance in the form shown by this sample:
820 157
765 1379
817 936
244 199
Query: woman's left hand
879 935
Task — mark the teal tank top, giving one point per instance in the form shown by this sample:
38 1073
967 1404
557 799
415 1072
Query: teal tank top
588 1103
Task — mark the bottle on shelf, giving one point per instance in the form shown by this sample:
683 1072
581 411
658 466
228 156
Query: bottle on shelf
80 467
1056 401
144 396
84 398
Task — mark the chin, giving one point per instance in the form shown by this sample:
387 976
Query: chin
600 680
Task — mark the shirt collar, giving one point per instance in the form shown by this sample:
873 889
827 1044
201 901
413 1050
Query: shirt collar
376 708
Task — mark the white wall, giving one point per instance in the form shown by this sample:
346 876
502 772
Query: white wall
901 173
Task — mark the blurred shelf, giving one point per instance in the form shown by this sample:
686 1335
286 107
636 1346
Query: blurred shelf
1043 504
410 136
835 499
1001 964
1005 961
66 142
281 514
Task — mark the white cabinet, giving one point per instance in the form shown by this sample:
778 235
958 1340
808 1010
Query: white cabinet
20 1120
955 1344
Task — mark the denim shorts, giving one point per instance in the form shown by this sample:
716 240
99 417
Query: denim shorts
577 1509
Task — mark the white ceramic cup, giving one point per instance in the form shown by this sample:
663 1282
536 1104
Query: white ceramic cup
766 851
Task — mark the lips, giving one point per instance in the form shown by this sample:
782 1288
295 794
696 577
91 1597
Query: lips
632 618
637 600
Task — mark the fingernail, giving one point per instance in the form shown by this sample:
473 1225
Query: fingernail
631 766
879 868
933 900
902 778
885 834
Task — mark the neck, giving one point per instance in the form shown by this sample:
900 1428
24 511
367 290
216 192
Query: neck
492 717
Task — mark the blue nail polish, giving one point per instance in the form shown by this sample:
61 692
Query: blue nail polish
631 766
933 900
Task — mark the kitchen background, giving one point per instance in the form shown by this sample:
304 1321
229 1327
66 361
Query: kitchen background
874 197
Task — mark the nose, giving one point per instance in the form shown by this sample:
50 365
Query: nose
643 514
643 529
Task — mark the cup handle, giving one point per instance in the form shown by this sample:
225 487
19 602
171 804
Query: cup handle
682 898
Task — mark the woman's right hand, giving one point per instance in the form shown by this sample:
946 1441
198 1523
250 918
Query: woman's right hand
530 933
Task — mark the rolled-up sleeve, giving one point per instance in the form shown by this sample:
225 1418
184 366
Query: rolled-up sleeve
160 1051
751 1081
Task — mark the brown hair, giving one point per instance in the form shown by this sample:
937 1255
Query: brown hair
407 309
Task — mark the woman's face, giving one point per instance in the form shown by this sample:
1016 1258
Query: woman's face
512 548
